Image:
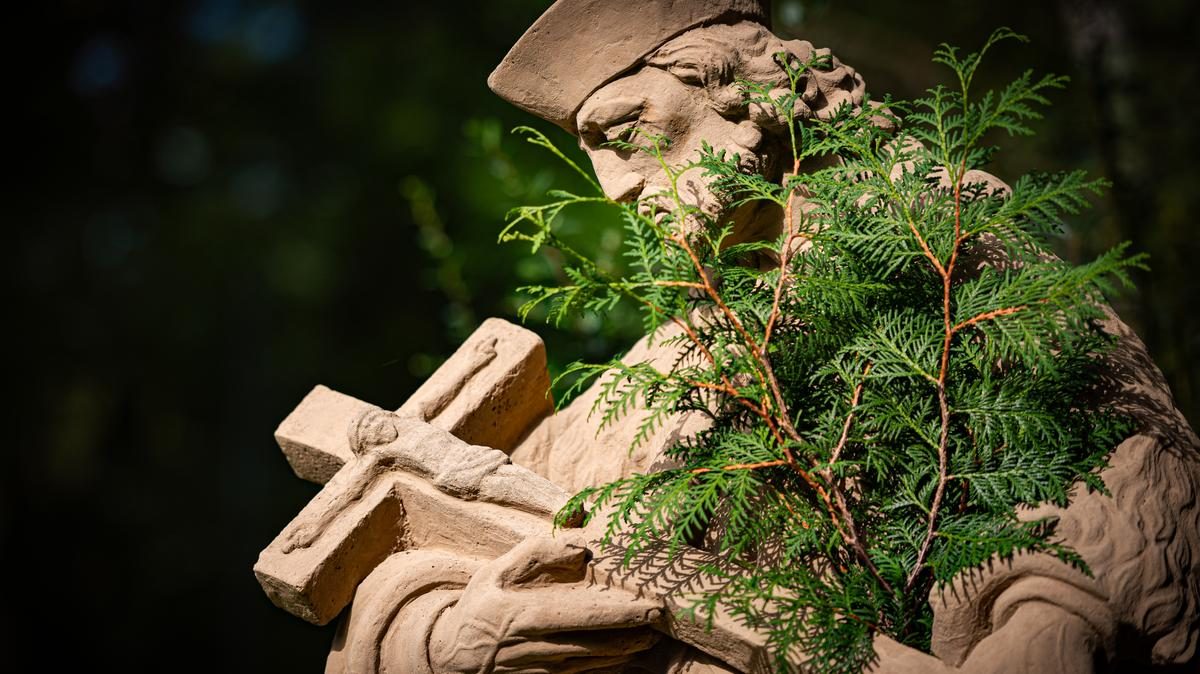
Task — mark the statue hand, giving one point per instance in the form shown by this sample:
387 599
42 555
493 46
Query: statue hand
532 610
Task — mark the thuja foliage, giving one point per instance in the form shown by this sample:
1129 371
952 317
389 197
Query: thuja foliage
913 369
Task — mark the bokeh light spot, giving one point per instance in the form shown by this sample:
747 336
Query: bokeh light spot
101 65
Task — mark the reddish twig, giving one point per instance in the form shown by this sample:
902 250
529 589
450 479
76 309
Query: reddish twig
784 259
680 284
745 466
987 316
947 274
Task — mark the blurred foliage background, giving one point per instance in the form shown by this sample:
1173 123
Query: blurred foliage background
217 204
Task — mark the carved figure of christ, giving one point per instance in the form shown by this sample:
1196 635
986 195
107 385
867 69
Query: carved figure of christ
397 484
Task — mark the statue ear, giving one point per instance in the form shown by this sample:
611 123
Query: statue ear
766 116
729 100
688 73
748 135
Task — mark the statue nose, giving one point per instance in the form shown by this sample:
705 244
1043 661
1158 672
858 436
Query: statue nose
627 187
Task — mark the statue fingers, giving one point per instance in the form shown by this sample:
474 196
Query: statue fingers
539 561
550 610
482 649
604 665
564 647
302 536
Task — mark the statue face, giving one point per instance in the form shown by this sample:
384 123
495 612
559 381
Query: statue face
656 102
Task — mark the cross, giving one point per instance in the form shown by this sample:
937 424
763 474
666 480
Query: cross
435 474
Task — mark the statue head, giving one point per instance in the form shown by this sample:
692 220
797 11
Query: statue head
601 69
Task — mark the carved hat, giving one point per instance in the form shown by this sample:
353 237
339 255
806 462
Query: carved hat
578 46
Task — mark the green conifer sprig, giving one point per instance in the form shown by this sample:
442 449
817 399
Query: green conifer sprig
915 368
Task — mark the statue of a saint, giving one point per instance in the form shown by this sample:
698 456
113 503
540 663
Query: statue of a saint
597 68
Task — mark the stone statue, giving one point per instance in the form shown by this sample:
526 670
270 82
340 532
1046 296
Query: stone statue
434 522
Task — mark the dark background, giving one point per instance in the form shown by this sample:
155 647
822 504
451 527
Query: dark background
217 204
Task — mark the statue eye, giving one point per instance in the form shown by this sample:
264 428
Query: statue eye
623 131
609 117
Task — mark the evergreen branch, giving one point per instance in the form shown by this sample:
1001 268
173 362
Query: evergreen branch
535 137
841 443
1040 200
933 259
872 424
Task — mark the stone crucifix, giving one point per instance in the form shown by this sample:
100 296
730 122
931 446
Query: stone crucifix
410 482
386 473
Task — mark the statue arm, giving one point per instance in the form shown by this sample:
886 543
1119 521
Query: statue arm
534 608
1038 637
395 610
